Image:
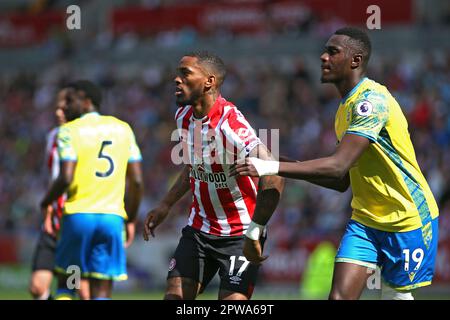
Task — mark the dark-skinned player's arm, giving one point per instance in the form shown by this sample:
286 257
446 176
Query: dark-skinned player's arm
157 215
269 193
340 185
57 188
335 166
133 196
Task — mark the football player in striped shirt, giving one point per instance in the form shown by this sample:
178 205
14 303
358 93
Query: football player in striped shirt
394 223
212 133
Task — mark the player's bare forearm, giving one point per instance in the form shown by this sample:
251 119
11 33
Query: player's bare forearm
157 215
330 172
60 185
135 190
57 188
335 166
269 191
338 184
178 190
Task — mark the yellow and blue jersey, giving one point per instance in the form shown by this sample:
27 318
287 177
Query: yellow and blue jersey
102 146
390 192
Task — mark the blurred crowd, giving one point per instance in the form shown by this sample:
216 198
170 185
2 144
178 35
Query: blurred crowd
283 94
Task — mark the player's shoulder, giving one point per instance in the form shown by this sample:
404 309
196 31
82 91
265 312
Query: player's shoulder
371 96
233 119
68 126
228 108
119 124
112 119
232 113
372 90
52 133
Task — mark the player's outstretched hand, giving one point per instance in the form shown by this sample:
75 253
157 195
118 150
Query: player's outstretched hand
243 167
48 220
253 251
254 167
131 231
153 219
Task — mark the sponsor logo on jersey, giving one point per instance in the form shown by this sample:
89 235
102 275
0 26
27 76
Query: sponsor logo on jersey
218 178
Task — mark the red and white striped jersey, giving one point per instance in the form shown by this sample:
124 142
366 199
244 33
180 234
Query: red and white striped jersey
52 159
221 205
51 153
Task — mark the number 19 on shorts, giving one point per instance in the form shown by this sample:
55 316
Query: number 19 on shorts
416 256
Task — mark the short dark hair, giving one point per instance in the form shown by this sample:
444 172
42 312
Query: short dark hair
213 61
360 41
90 90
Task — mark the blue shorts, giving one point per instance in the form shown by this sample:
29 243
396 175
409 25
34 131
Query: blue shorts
94 243
406 259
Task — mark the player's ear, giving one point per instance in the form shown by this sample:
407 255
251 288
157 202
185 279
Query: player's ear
86 104
356 60
210 82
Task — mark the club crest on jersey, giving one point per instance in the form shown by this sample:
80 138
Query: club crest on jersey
172 264
364 108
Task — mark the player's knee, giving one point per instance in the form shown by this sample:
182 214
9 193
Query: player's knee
172 296
38 289
389 293
181 289
337 294
229 295
84 292
100 288
174 289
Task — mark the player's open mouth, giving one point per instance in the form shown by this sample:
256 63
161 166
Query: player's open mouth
178 91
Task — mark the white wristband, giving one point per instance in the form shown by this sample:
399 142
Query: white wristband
254 231
265 167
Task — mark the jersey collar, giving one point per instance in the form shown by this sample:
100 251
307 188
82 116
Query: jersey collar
216 110
348 95
93 113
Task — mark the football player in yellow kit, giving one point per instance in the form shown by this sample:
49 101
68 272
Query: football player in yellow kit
394 223
98 154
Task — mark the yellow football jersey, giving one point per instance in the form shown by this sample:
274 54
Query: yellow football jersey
102 146
390 192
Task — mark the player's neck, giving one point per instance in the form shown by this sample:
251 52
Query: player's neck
89 109
346 85
204 104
